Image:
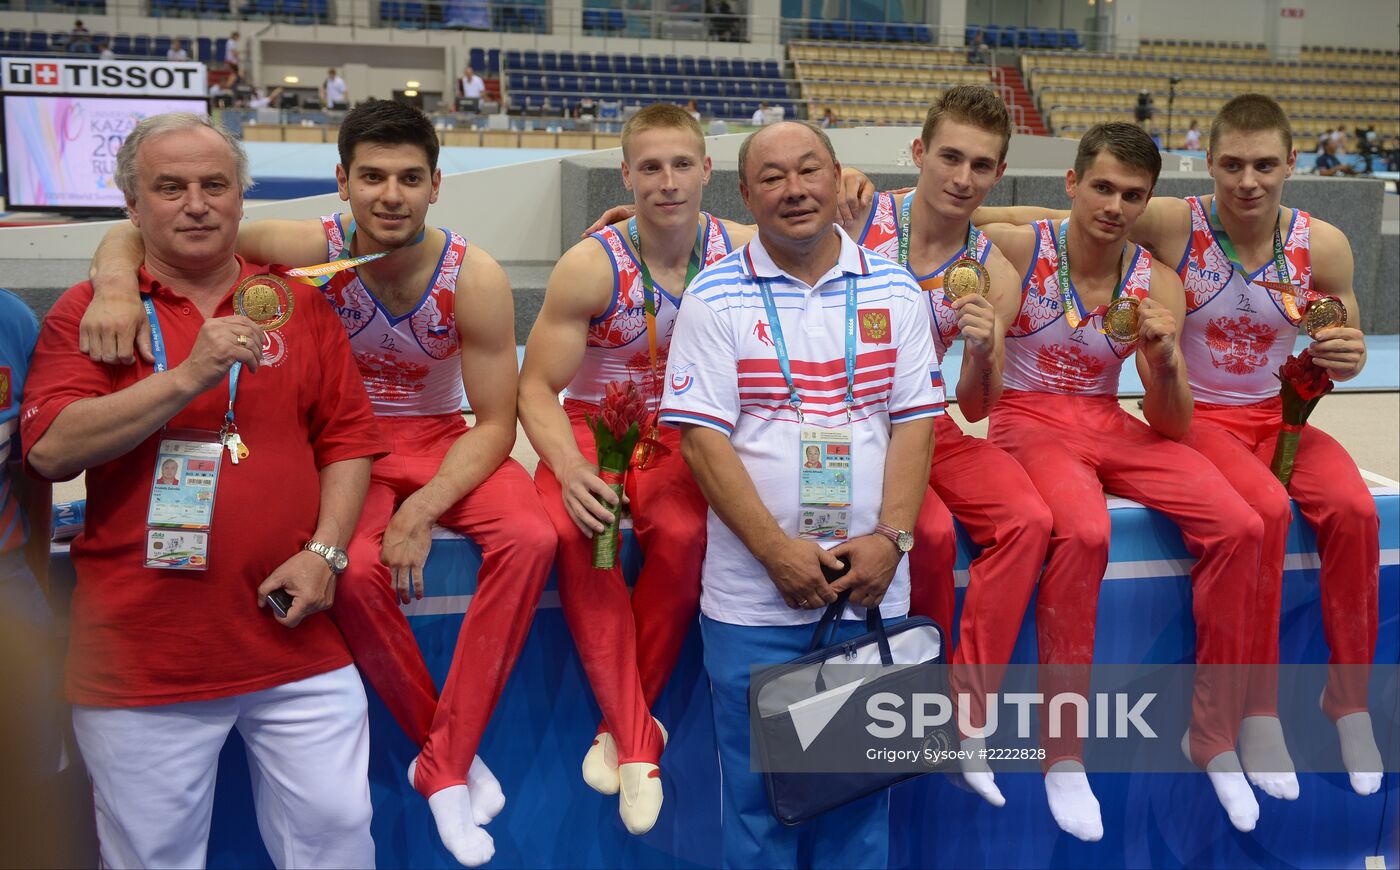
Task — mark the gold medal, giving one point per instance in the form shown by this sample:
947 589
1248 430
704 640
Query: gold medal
1325 313
1120 321
965 277
264 299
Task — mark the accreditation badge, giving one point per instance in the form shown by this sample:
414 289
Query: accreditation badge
180 514
824 490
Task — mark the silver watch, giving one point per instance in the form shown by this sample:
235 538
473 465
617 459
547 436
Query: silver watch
335 557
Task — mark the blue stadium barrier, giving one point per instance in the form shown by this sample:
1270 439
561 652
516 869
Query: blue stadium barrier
546 718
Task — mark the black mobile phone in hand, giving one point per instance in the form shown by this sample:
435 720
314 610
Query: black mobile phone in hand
280 601
834 574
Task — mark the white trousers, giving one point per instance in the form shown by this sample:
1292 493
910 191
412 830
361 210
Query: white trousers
153 772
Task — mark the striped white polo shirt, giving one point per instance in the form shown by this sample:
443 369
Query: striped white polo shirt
724 374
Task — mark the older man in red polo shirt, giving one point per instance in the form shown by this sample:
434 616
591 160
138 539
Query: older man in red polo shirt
197 604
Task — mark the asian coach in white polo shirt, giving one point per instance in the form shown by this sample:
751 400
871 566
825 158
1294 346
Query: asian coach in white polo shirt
799 339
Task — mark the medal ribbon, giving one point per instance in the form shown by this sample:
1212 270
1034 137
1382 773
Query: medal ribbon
320 274
973 234
162 364
1066 298
1290 301
692 269
780 343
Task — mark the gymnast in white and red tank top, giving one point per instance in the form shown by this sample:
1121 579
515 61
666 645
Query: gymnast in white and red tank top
1060 417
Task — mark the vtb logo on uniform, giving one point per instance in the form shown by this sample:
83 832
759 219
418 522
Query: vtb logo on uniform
45 74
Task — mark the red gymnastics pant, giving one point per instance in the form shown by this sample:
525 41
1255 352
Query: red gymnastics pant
504 517
1073 447
1239 440
629 645
989 493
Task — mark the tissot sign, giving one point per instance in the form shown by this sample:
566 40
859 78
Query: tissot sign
150 78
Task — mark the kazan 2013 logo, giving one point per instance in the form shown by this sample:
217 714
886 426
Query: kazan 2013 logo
681 379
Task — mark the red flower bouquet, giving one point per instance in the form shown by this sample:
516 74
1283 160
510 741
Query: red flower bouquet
1304 383
615 433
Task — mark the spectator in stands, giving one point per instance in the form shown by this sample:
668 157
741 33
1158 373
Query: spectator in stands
1390 153
470 84
233 52
334 92
981 52
585 109
828 119
104 50
79 39
693 110
760 115
1330 164
177 51
724 24
1193 136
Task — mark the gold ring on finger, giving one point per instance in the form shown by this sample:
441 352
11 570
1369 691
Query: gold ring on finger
242 340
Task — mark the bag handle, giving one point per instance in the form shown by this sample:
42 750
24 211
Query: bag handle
826 627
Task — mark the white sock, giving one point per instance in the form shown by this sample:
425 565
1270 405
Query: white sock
487 798
1359 752
1072 802
452 811
977 774
1231 787
1264 754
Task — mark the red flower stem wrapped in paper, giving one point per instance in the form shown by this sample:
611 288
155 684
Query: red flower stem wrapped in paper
615 433
1304 384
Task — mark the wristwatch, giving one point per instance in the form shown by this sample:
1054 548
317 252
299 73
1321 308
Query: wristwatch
334 556
903 541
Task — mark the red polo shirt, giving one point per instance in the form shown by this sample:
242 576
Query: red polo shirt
144 636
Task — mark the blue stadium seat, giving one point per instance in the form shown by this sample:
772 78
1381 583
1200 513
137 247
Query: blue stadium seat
671 65
731 87
568 62
476 58
641 87
705 67
720 108
516 81
568 82
1009 35
585 63
607 85
653 62
549 61
531 19
838 30
594 21
678 87
922 33
992 34
534 82
493 61
748 89
141 45
636 65
530 60
38 41
588 84
865 31
617 20
709 87
1069 38
619 64
161 46
771 69
411 14
551 82
514 60
722 67
203 48
970 34
121 44
689 67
